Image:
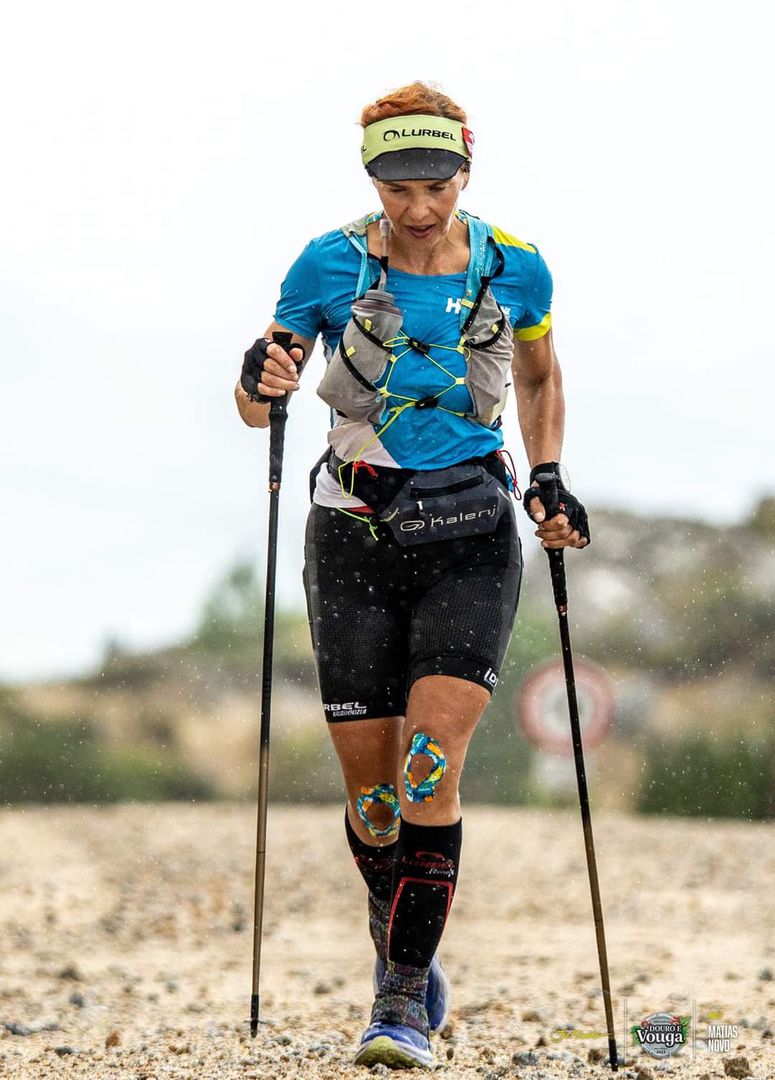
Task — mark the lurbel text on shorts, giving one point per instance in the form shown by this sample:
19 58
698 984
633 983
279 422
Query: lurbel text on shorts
347 706
393 133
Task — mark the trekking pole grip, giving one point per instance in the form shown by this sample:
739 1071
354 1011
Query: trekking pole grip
547 485
557 570
279 405
278 414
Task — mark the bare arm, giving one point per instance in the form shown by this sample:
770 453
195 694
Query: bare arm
541 411
540 401
279 377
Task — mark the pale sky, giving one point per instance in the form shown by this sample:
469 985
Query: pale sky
163 163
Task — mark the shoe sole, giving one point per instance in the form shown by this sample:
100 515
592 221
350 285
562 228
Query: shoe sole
385 1051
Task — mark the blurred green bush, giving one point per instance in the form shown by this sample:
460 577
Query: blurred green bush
701 775
49 760
498 762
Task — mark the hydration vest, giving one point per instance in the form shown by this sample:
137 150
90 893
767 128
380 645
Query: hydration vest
375 334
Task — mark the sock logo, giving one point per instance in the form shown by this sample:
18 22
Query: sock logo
433 862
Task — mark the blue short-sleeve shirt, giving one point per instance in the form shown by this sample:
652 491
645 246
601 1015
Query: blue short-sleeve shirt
316 297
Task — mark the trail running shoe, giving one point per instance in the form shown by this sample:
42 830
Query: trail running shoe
438 997
394 1045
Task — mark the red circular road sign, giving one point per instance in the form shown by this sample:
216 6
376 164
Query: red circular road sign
542 706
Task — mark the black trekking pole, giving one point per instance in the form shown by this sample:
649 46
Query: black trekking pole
547 483
278 414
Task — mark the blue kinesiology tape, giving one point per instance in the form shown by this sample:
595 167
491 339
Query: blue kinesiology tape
425 789
384 794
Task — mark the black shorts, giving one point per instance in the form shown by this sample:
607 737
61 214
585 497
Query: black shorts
383 616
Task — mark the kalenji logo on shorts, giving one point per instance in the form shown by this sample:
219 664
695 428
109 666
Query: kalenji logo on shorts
491 678
457 518
348 708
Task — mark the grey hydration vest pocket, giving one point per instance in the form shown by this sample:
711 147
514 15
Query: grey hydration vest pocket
490 340
445 504
362 357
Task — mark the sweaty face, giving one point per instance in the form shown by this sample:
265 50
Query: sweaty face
421 211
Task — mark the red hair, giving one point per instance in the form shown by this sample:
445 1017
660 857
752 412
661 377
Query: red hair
417 98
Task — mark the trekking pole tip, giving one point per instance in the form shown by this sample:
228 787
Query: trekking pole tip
613 1055
253 1016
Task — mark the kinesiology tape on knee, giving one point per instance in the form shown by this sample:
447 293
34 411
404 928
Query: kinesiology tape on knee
374 863
424 879
381 795
423 745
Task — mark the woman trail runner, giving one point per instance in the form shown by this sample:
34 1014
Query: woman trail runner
412 559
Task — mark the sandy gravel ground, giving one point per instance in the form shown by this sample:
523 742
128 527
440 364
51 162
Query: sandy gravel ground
126 944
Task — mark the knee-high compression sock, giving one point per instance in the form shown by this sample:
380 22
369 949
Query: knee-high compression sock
424 879
376 867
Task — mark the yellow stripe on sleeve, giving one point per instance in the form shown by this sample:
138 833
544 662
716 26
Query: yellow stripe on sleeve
501 237
533 333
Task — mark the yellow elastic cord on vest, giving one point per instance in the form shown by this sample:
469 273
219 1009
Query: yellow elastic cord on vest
367 519
356 456
395 411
